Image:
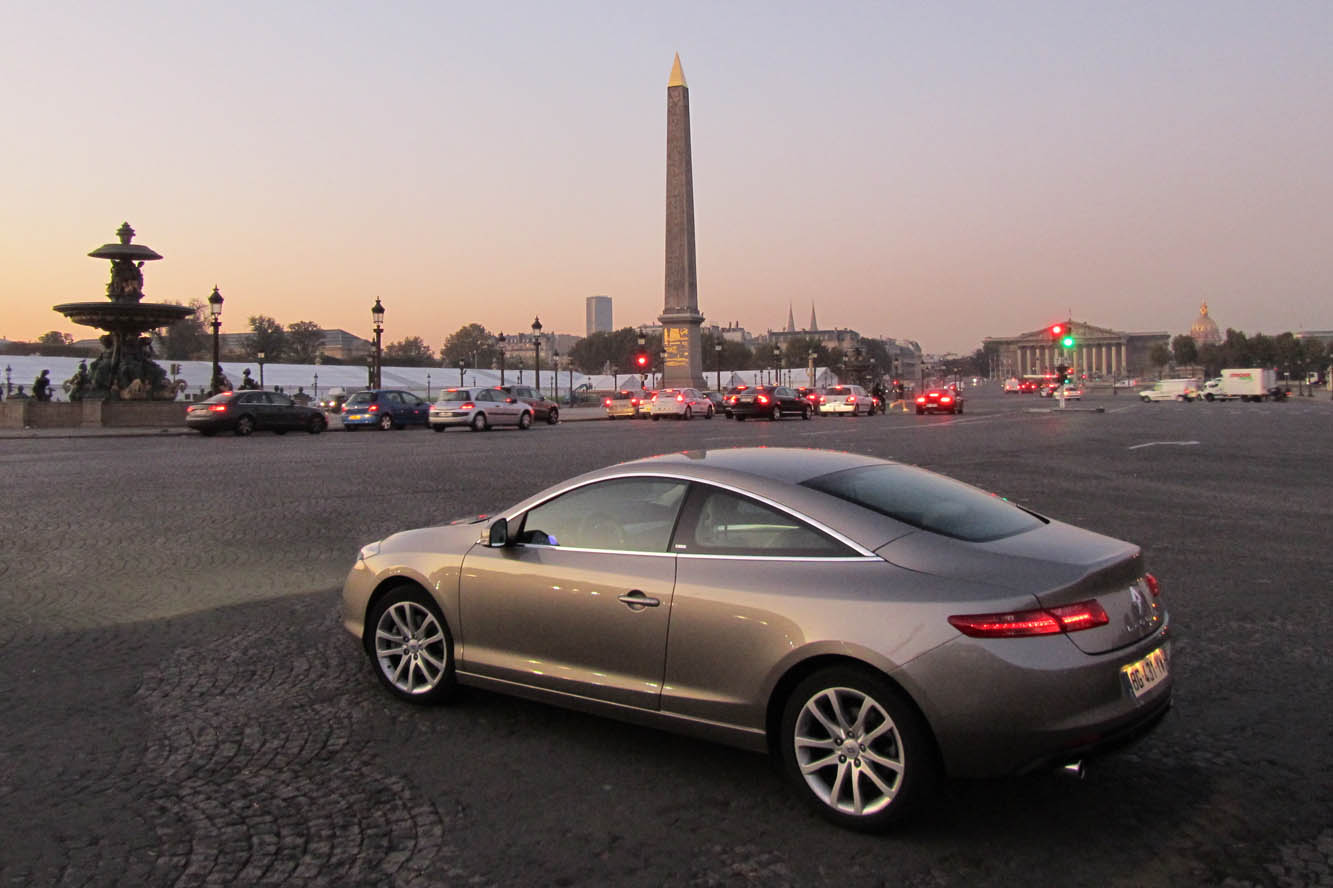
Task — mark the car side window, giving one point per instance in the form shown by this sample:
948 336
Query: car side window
252 398
280 400
622 514
720 522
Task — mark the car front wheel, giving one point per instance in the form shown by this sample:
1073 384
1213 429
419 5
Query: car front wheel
479 423
411 647
553 417
525 420
856 748
317 424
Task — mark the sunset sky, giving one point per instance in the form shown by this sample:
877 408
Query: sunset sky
936 171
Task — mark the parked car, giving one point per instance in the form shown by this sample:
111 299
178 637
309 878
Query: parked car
384 409
939 401
851 400
626 403
681 403
876 626
253 411
769 402
479 409
543 408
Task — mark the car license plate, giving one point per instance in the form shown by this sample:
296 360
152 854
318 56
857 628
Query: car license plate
1141 676
356 416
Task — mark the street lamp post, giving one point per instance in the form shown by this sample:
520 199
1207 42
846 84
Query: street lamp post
812 368
215 310
462 363
377 315
427 385
555 373
717 353
500 341
537 350
9 386
259 356
777 363
661 374
319 359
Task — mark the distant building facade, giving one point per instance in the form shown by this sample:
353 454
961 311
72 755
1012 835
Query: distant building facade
1100 352
598 315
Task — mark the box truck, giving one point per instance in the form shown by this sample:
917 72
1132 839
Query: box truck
1246 384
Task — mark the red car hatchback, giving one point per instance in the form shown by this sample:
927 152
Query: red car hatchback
939 401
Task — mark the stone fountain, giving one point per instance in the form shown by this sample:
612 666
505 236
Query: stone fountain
126 368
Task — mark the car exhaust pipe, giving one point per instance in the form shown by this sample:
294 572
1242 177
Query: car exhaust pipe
1073 769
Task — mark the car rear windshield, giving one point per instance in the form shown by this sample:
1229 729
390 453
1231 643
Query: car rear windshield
928 501
456 395
361 398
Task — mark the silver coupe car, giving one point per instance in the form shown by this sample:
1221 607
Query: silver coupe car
874 625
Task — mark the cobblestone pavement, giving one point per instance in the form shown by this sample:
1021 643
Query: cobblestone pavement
181 707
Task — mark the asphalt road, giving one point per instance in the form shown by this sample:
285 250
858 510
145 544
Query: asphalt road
179 705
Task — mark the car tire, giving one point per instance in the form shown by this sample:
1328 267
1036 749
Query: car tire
845 722
410 646
959 408
437 428
805 412
245 426
687 415
710 413
316 425
553 417
525 420
386 422
776 415
479 423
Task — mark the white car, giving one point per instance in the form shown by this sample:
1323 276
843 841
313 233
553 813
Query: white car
850 399
1172 390
1011 386
478 409
682 403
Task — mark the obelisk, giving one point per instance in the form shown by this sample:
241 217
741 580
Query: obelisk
680 318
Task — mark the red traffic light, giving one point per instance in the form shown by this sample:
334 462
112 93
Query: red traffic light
1057 329
642 360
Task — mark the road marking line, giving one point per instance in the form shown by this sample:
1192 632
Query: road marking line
1174 443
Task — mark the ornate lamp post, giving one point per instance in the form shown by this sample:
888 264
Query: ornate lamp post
259 356
319 359
215 311
9 386
777 361
427 385
500 341
537 350
812 368
717 353
370 371
661 358
555 372
377 315
462 364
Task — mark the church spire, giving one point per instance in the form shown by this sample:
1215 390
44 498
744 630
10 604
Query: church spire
791 320
813 325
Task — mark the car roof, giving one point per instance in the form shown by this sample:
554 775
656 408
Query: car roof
791 465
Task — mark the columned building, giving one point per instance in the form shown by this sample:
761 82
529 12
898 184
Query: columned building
1098 353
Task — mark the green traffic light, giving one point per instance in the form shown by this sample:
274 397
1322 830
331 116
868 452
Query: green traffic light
1067 342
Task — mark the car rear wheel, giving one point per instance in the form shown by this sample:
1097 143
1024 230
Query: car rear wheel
479 423
776 415
805 412
709 414
411 647
687 415
856 748
553 417
316 425
437 428
525 420
244 426
386 422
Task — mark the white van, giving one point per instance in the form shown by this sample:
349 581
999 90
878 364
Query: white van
1173 390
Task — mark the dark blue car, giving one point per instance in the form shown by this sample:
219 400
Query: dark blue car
384 409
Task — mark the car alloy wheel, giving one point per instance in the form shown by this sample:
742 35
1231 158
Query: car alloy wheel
479 423
553 417
411 648
525 420
805 412
317 425
856 748
244 426
386 422
777 412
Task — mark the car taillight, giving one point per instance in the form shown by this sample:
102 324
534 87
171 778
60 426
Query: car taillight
373 408
606 403
467 405
762 399
680 397
1019 624
946 400
921 399
1151 582
823 400
222 408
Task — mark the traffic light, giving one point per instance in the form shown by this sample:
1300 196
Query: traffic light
1057 331
1062 335
641 360
1061 374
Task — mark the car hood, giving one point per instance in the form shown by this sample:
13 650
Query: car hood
449 538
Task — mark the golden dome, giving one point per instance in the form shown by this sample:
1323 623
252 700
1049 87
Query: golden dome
1204 330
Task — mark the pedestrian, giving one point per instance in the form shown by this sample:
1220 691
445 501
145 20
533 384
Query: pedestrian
899 396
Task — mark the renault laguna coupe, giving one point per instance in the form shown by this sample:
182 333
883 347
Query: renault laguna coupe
873 625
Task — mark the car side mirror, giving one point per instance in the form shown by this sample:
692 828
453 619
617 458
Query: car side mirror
499 537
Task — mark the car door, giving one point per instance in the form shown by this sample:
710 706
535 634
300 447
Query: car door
284 414
256 404
581 603
504 406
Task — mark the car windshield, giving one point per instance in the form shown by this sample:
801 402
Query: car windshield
456 395
840 390
928 501
361 398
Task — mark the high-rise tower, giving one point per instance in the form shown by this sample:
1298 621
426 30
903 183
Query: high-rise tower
680 316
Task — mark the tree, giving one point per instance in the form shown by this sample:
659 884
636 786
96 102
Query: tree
473 344
266 336
1184 349
1159 355
305 341
55 337
188 339
410 352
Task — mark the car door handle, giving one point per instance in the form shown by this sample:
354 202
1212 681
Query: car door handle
637 601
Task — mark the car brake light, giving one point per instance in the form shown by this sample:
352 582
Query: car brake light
762 399
1151 582
606 403
1019 624
946 399
680 397
851 399
467 405
373 408
921 399
218 408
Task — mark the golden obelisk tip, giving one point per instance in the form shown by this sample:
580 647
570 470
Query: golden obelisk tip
677 77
